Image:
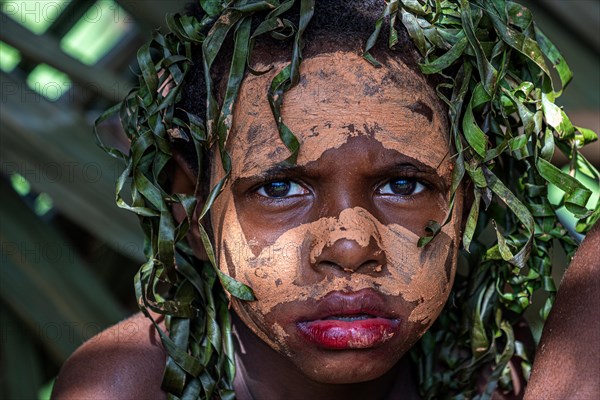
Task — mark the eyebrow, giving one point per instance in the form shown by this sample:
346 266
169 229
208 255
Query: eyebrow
408 165
281 169
416 165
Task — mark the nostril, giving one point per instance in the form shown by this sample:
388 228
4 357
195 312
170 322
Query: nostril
366 267
371 266
350 256
327 264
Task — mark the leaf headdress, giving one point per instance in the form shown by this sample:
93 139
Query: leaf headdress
505 127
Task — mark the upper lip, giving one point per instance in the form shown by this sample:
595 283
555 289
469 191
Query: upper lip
339 303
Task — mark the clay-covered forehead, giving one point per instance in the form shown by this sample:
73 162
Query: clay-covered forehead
340 95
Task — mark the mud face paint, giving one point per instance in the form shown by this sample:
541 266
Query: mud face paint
340 96
334 264
285 271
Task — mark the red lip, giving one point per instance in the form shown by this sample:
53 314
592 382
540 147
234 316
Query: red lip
357 320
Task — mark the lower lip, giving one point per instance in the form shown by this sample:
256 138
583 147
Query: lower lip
342 335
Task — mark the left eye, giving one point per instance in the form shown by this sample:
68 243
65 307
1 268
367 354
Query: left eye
279 189
402 187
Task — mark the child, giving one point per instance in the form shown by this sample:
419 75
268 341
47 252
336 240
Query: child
322 187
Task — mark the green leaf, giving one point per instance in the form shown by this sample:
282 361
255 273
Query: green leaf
555 57
554 116
415 31
476 173
148 69
473 133
390 7
236 74
236 288
432 228
288 78
471 221
576 194
212 7
275 96
515 39
189 364
522 213
175 376
254 7
527 117
479 339
584 136
444 61
487 73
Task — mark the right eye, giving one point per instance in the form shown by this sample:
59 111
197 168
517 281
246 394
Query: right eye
281 189
402 187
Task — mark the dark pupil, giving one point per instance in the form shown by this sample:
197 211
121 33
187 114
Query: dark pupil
277 189
403 186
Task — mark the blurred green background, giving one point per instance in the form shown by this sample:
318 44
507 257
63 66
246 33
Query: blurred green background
68 254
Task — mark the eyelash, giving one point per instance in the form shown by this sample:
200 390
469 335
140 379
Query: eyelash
421 185
290 183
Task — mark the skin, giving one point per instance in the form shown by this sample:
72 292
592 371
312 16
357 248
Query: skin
563 367
106 366
346 234
347 229
339 228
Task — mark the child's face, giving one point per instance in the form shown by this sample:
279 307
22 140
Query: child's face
330 245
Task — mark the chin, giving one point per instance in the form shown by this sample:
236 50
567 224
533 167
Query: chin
346 377
348 367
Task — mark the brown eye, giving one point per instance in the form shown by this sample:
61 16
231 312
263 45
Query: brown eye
402 187
279 189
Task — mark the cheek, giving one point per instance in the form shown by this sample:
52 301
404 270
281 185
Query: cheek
420 276
434 269
283 271
268 273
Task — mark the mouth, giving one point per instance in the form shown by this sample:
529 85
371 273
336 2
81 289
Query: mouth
344 321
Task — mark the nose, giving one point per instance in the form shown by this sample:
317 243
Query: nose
350 256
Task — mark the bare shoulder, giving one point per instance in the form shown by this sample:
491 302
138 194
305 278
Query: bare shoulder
568 357
123 362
